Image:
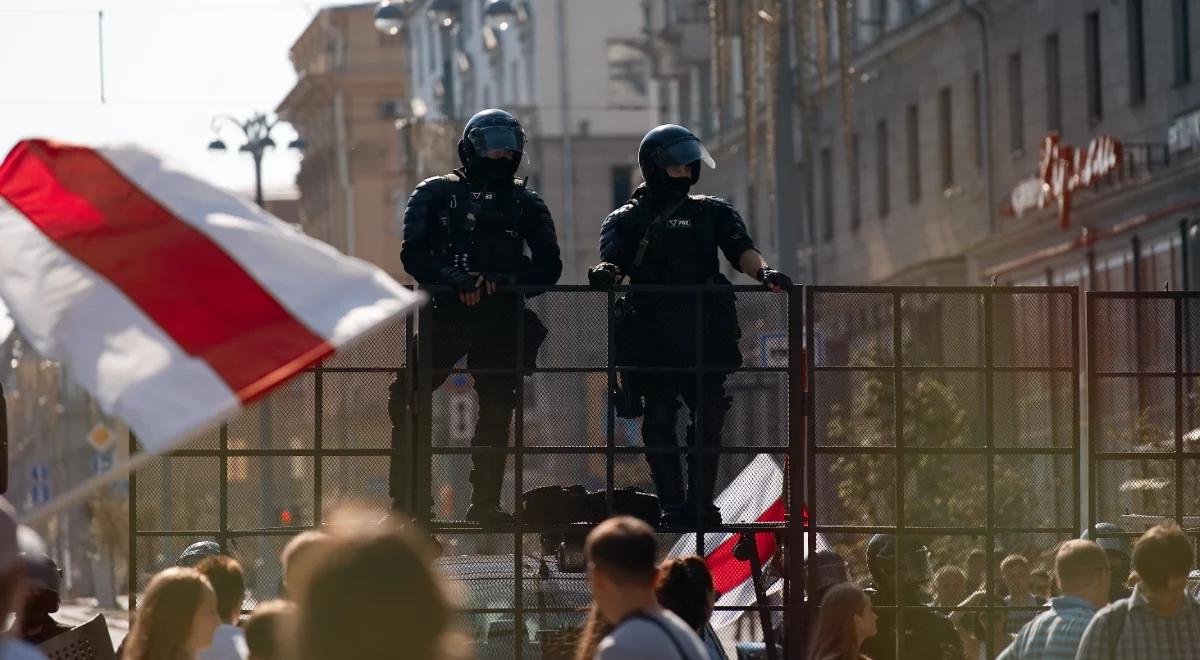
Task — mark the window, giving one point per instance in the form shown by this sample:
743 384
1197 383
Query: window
827 194
1137 51
626 73
882 196
946 136
1053 85
622 185
977 118
914 155
880 15
1016 104
1091 53
855 201
1181 22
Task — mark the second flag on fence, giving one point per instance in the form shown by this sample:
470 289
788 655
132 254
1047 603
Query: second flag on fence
755 495
172 302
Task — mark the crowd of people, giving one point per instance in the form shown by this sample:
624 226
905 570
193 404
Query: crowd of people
1104 599
358 590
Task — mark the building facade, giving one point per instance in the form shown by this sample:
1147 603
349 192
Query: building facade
925 166
572 71
349 78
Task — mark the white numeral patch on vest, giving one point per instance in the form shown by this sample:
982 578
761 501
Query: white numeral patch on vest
681 223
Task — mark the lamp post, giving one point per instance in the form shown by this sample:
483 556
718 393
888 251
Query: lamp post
257 132
446 14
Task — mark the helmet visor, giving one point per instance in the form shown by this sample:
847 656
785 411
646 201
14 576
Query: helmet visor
684 152
497 138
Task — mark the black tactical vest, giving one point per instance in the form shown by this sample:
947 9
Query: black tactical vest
480 226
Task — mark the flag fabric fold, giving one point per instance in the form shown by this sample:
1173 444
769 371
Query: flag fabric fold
172 302
755 495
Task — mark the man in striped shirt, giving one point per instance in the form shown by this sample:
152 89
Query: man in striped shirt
1083 577
1158 621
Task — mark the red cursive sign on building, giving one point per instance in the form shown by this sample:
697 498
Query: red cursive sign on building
1064 169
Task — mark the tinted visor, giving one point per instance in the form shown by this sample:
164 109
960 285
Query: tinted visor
684 152
497 138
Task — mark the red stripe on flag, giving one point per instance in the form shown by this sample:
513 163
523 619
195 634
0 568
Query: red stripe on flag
183 280
728 571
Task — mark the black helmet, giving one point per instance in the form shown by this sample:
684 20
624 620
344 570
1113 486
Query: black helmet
913 561
1112 538
669 145
196 552
42 572
491 130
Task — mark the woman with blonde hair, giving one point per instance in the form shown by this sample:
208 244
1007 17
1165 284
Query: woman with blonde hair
846 620
176 618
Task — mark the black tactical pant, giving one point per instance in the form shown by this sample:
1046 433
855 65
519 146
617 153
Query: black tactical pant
710 404
487 335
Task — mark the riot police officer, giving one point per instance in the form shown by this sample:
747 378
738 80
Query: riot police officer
477 229
663 235
927 634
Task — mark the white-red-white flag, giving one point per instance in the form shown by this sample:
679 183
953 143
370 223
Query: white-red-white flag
755 495
6 322
172 302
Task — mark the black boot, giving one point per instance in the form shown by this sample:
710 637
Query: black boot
401 474
487 470
702 475
487 478
666 470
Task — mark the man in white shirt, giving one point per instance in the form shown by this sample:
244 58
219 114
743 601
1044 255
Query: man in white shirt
225 574
621 570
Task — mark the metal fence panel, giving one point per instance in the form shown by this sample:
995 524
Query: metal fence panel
948 418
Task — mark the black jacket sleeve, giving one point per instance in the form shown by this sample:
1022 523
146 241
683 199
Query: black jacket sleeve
732 235
618 244
545 263
420 225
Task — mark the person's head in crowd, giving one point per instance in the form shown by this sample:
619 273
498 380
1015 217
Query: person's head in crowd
830 570
370 590
297 559
1162 558
1116 545
176 617
976 568
685 586
899 568
12 569
949 586
594 630
621 566
225 575
1040 584
266 629
197 552
43 582
1014 570
846 619
1082 570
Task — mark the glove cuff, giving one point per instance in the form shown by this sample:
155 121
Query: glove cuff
761 275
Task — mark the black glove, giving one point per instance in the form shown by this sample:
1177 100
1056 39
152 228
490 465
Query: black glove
770 277
500 278
461 280
604 276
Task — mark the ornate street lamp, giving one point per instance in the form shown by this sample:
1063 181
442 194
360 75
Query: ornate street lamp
499 14
390 16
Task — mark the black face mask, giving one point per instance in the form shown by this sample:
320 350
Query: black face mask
496 169
673 189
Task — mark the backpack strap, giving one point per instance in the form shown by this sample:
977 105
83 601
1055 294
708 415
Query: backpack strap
1116 626
645 242
661 626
